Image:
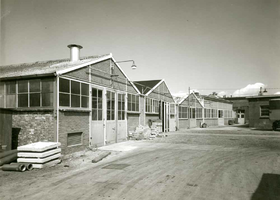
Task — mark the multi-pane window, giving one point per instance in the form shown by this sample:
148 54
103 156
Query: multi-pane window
149 105
207 113
221 113
23 93
96 104
155 106
132 103
47 92
11 94
73 94
110 105
192 114
152 105
198 113
172 109
2 94
183 112
121 106
264 111
29 93
214 113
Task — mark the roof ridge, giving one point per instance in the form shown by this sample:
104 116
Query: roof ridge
52 61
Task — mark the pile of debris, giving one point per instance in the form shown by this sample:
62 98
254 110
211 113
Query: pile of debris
147 132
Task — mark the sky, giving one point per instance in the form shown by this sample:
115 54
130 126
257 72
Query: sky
218 46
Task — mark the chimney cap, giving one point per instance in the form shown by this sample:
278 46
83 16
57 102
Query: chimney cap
74 45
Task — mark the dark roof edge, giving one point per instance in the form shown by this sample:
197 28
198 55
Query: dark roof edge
28 76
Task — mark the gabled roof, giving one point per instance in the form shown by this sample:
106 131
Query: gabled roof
146 87
48 67
184 98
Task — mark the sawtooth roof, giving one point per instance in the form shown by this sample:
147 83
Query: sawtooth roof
41 68
145 86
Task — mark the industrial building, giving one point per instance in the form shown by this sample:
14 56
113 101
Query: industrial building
196 109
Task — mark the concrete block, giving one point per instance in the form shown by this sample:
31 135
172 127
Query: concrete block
37 160
39 146
39 154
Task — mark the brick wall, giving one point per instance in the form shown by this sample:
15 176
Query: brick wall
73 122
254 115
132 121
183 124
35 126
151 117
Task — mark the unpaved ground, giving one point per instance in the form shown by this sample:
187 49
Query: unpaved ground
213 163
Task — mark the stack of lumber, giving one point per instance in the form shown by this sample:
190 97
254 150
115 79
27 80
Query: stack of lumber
8 157
40 154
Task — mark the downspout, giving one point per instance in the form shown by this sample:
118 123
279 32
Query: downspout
57 108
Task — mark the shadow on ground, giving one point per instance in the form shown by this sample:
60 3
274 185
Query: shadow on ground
269 188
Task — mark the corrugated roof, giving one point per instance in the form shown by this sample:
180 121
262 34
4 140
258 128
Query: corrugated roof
42 67
145 86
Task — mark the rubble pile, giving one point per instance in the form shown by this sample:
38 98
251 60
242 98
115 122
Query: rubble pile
146 132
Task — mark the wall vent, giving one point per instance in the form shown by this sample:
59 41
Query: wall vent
74 139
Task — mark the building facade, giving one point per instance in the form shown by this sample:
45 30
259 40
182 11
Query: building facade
195 110
78 102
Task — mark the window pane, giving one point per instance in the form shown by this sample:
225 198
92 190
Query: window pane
11 101
113 100
75 87
64 85
100 94
1 88
75 101
99 114
129 106
23 100
11 87
85 102
129 97
94 92
108 115
47 85
84 89
99 103
35 100
119 115
112 115
47 99
34 85
133 107
94 114
1 95
64 99
22 86
94 103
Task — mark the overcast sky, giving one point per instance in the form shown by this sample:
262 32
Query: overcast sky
219 45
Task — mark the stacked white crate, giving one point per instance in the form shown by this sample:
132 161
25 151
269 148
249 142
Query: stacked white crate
40 154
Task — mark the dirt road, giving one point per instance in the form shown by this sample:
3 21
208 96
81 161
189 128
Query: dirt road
208 164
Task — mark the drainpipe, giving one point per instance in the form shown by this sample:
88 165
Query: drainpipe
57 108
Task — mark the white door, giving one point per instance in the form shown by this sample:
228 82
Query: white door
111 122
97 123
241 117
172 120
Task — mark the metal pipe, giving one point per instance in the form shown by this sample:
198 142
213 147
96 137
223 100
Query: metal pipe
29 166
8 159
15 167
